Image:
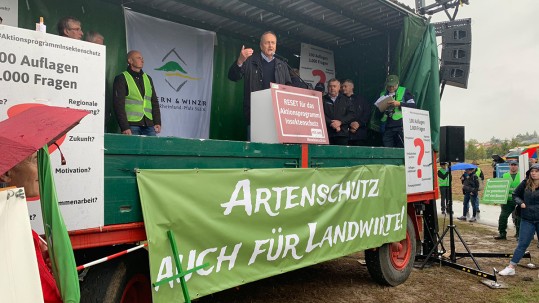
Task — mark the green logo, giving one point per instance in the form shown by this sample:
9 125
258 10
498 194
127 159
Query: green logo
175 75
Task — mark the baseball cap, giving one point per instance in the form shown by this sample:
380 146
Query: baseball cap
392 80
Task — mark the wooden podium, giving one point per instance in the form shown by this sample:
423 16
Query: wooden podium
287 114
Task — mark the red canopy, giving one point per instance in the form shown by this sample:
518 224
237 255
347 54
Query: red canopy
28 131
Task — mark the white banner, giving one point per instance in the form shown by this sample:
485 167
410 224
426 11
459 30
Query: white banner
316 64
9 12
38 69
417 150
179 59
19 275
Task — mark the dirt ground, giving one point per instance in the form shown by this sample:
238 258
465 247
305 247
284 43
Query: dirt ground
346 280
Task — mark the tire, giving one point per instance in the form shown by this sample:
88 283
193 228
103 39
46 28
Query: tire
123 280
392 263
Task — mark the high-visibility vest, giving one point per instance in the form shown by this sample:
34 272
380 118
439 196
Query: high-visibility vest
514 183
399 94
136 107
443 182
478 172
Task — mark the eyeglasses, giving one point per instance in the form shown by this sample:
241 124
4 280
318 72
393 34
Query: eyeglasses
514 164
77 29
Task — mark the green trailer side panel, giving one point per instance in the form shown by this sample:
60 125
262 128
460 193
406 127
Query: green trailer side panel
124 154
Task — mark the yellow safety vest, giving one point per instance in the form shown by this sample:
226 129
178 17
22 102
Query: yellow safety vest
397 114
136 107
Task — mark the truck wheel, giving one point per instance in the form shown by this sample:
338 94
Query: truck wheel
124 280
391 264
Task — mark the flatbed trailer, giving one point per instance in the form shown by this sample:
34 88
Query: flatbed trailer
369 39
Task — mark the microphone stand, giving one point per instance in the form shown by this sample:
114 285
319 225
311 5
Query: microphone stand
309 86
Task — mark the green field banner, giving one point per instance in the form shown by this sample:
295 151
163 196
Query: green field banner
496 191
249 224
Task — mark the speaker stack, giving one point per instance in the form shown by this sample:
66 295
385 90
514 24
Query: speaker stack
456 52
452 144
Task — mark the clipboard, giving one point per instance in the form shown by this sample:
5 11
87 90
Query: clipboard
383 103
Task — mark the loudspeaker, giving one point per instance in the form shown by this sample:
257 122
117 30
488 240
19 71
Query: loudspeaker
452 144
458 33
456 74
457 54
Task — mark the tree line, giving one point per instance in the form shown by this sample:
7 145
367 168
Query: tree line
476 151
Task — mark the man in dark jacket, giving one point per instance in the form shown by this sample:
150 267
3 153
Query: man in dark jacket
258 70
470 189
135 100
362 108
339 113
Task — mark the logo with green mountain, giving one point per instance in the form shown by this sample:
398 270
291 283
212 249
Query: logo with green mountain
174 68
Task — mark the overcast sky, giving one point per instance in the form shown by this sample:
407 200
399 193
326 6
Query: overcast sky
502 99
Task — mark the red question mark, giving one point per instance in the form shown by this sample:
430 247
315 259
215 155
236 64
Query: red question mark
419 142
320 74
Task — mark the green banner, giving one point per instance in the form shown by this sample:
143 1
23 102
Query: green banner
252 224
61 254
496 191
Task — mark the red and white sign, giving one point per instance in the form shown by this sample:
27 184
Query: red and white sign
418 150
299 115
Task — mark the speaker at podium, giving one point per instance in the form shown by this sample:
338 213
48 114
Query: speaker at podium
287 114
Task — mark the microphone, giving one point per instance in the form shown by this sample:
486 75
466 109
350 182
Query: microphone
274 54
285 60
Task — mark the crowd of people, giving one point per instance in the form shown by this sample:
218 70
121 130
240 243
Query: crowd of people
522 204
346 113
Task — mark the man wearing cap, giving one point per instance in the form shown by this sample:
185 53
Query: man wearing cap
393 134
506 209
443 184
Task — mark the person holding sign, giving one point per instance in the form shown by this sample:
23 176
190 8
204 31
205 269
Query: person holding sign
95 37
70 27
339 113
399 97
135 101
506 209
258 70
526 195
25 174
